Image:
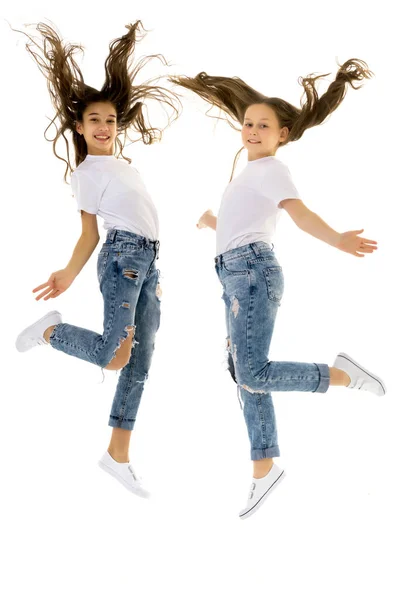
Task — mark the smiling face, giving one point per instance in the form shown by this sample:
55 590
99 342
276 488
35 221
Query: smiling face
99 128
261 131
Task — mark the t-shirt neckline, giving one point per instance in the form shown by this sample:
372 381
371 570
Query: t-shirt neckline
100 156
257 160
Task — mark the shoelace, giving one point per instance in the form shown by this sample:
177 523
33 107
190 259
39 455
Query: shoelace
252 488
135 477
359 384
38 342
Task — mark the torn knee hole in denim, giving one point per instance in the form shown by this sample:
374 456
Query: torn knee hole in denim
122 339
248 389
130 273
232 352
235 306
125 305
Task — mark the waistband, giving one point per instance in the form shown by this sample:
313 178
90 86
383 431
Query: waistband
254 250
117 235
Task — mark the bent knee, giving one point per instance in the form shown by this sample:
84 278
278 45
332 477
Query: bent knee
123 352
116 364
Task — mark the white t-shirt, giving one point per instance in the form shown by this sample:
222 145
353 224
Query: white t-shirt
113 189
249 208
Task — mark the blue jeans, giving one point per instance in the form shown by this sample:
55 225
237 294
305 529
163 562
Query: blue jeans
252 282
128 281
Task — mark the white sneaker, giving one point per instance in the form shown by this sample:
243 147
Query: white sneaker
124 473
361 379
33 335
259 490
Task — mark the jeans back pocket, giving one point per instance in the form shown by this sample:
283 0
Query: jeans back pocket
275 283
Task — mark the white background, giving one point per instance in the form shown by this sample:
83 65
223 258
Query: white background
331 529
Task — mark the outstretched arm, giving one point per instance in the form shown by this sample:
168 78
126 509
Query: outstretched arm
207 219
60 281
311 223
85 245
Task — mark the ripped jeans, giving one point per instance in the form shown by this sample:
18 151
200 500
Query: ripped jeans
252 282
128 281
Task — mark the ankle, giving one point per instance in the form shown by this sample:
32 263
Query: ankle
118 455
262 467
338 377
48 333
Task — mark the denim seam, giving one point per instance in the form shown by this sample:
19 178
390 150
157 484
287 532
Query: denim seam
62 342
248 329
127 389
262 420
108 327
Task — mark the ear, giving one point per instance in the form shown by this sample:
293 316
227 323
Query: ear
79 128
284 134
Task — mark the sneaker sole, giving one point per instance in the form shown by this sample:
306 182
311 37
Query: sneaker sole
261 501
138 492
23 333
374 377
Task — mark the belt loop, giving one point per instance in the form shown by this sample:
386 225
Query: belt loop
255 248
113 234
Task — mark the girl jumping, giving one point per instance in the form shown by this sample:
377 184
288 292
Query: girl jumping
246 264
105 185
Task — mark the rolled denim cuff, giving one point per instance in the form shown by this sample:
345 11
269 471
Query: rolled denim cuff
259 453
324 378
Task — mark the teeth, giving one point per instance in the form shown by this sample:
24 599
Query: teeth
101 137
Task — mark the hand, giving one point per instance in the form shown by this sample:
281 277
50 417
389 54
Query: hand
353 244
202 221
57 283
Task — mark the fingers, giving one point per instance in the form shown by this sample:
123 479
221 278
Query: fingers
40 287
55 294
46 291
50 295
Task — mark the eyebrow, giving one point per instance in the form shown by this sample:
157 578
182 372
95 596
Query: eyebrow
90 114
264 119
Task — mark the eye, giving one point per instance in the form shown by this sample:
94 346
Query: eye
247 124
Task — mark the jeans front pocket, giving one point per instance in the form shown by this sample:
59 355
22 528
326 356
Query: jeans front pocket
101 265
275 283
237 266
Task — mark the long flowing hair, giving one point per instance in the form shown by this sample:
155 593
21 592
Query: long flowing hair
70 95
233 96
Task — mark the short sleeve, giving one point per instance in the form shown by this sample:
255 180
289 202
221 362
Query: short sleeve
278 184
87 192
